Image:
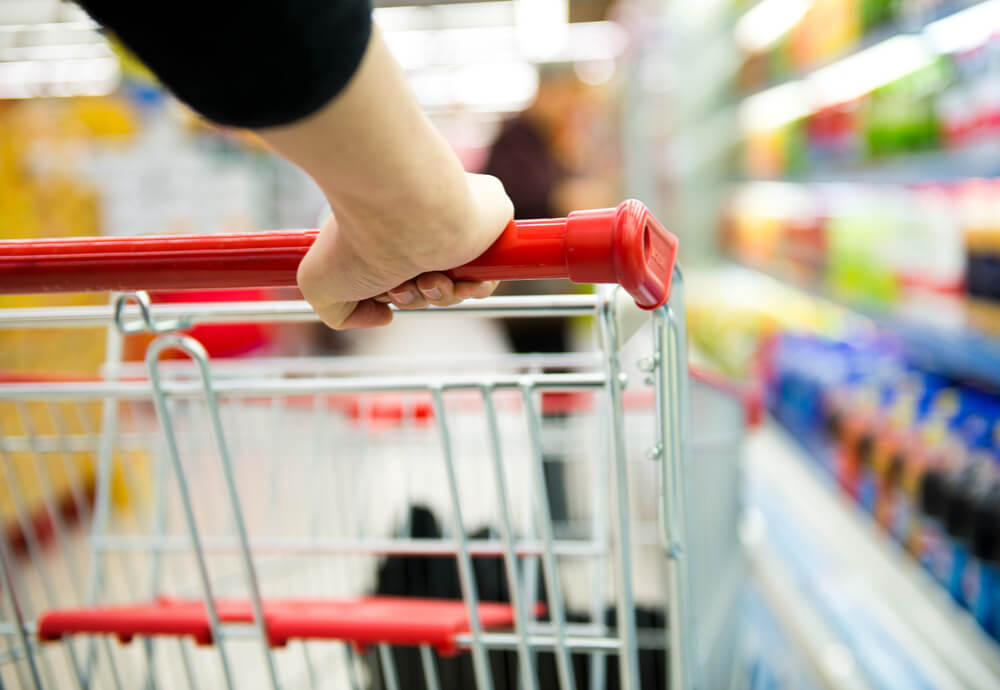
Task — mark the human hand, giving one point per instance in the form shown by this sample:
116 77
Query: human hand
366 257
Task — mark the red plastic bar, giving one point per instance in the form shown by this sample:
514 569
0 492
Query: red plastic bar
363 622
623 245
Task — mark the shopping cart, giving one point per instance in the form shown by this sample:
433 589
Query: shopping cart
490 520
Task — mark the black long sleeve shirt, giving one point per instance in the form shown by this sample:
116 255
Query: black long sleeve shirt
246 63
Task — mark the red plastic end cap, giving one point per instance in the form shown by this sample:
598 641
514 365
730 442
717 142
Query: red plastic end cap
624 245
645 254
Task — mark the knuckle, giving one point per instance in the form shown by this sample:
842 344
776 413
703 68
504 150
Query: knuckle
310 279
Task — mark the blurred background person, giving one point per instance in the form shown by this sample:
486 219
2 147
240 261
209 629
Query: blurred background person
540 155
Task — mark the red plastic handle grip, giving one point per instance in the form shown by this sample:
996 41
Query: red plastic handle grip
623 245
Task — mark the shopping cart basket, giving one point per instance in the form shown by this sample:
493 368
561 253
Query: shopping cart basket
246 514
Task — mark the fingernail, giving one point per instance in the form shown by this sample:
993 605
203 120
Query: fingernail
404 297
433 293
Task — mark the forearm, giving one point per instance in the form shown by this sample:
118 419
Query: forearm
373 150
318 84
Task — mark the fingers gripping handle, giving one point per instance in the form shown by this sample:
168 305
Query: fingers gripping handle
623 245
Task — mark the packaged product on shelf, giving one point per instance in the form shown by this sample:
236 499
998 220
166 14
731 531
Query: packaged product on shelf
863 232
932 254
882 473
902 116
962 484
979 202
952 444
922 439
928 467
969 108
730 312
827 29
874 13
985 546
777 152
835 134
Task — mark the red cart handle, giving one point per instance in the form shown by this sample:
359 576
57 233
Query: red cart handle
623 245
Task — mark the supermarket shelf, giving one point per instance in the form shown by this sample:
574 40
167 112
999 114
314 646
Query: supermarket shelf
952 335
979 160
896 626
882 33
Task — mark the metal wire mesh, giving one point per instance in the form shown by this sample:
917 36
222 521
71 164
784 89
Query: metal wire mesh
314 479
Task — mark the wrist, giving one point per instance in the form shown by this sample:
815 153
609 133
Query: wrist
422 226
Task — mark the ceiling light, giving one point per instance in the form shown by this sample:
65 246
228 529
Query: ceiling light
965 30
767 21
34 78
861 73
542 27
775 107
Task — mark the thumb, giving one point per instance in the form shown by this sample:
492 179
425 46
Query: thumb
364 314
332 283
494 209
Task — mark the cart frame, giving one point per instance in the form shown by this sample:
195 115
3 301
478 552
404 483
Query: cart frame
618 321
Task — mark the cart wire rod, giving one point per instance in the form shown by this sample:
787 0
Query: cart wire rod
525 656
628 666
367 546
543 519
466 578
132 441
578 639
269 387
193 349
284 311
355 364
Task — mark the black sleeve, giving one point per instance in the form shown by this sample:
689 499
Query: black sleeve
244 63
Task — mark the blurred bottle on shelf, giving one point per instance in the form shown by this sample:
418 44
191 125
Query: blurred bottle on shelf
863 234
979 208
874 13
969 108
919 452
984 537
902 116
834 134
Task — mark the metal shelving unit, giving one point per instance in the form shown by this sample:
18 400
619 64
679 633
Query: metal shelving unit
939 332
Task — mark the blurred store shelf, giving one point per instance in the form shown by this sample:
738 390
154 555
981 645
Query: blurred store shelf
50 48
949 165
869 615
903 26
953 335
915 58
